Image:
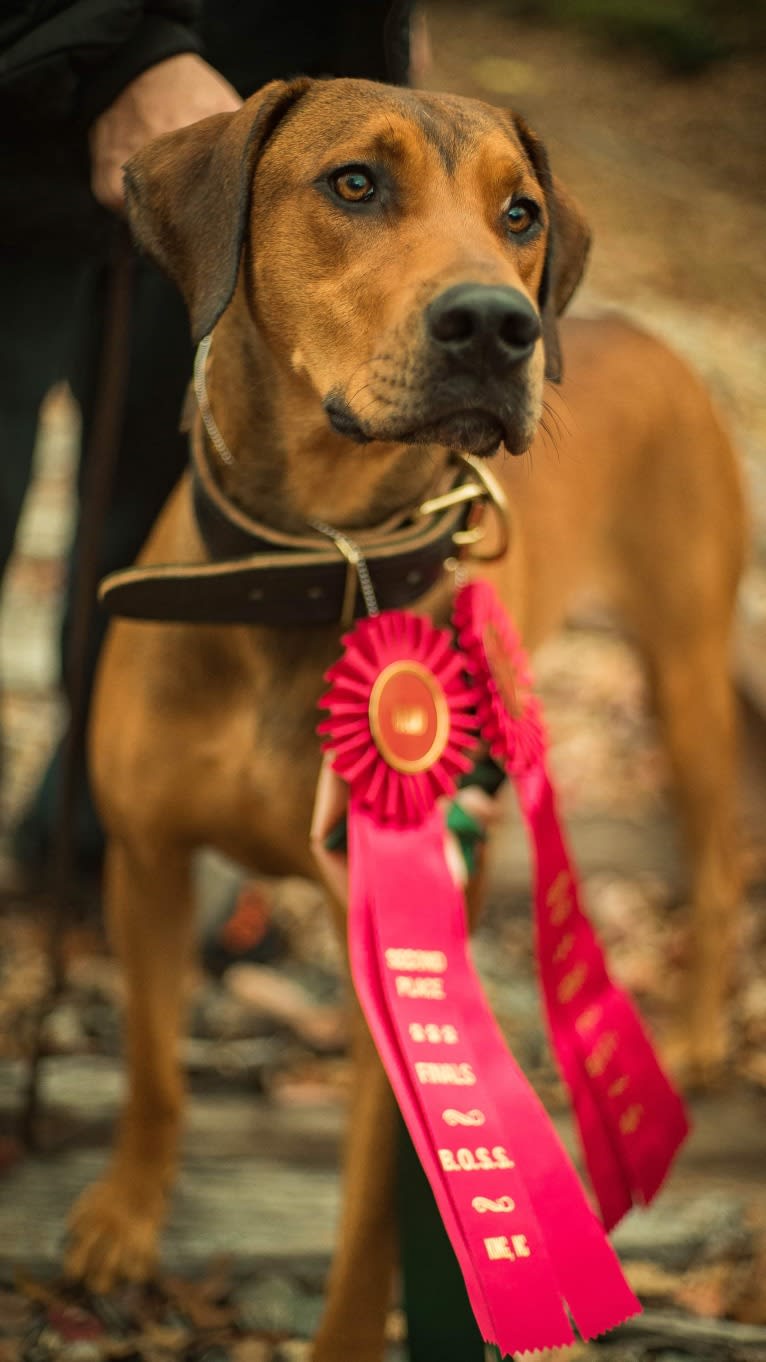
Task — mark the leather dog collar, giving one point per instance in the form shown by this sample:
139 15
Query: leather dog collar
260 576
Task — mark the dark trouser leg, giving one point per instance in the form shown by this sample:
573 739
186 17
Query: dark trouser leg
150 459
41 298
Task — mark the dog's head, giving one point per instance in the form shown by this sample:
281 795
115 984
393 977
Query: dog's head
407 253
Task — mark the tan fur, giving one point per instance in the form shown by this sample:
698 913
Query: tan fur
206 735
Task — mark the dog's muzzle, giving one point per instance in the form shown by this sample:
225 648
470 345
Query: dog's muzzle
468 384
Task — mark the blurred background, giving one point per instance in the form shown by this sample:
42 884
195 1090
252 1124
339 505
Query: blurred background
653 113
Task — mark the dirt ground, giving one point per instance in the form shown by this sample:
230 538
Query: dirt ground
672 174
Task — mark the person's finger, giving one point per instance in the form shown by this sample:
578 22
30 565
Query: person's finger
107 186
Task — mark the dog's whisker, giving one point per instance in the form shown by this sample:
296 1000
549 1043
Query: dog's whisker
561 429
560 423
546 434
355 395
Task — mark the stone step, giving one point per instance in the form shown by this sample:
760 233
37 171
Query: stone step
259 1180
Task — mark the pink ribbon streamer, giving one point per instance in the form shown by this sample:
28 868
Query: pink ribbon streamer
630 1119
527 1240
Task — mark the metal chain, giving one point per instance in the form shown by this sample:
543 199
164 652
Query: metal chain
203 401
353 555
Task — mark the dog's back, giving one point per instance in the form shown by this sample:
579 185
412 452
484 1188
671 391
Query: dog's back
632 490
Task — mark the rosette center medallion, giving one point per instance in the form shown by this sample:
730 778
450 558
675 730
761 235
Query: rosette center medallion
402 717
409 716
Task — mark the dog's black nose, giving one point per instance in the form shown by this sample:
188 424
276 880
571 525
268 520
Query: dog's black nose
484 324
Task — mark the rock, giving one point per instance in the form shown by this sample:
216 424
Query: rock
677 1233
294 1350
63 1030
251 1350
81 1351
15 1314
275 1304
42 1345
247 1060
702 1339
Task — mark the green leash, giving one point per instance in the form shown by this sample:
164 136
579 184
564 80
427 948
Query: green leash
440 1322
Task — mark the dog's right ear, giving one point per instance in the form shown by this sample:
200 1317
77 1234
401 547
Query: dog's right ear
568 247
188 193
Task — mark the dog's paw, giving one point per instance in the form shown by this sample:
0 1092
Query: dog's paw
113 1231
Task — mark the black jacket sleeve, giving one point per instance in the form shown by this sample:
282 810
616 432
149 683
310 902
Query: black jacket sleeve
62 60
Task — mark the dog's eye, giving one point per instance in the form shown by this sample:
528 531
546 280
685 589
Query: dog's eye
353 185
520 215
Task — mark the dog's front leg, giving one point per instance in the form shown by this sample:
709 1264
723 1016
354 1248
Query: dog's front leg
359 1292
115 1224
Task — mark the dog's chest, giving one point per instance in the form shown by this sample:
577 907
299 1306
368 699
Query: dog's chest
268 763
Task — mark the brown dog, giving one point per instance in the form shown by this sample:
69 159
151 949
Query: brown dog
383 270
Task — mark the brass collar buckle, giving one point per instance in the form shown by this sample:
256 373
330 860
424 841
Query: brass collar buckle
485 490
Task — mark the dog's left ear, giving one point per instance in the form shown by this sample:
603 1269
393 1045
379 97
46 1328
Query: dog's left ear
567 251
187 196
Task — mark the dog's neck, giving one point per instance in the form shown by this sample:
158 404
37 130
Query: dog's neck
288 467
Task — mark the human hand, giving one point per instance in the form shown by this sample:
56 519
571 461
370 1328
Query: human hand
175 92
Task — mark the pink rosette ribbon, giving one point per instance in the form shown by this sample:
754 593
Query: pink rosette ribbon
401 722
631 1120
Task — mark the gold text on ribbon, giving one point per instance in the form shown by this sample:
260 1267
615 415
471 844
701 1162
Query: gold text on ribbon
421 962
572 982
485 1203
433 1034
474 1117
558 899
455 1075
415 986
500 1247
474 1160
